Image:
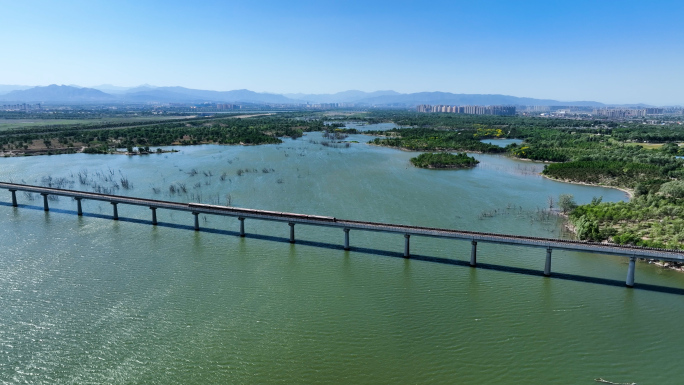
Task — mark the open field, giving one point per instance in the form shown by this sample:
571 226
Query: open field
654 146
10 124
650 146
106 136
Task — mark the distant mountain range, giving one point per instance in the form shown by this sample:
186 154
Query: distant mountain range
58 94
8 88
351 96
108 93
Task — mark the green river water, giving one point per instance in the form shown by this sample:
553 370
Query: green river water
89 300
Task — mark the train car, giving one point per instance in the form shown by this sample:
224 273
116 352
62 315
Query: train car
280 214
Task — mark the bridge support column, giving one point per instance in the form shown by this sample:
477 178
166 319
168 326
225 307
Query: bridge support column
407 251
292 237
547 266
116 211
196 220
242 226
154 215
630 272
14 198
79 208
473 254
346 239
45 201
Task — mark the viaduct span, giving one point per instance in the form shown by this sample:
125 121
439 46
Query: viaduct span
292 219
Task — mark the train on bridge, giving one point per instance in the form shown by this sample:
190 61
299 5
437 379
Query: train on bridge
631 252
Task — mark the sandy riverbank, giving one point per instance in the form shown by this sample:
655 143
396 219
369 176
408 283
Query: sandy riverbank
629 192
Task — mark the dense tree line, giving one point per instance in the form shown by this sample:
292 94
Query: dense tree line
444 160
256 130
622 174
653 220
463 121
425 139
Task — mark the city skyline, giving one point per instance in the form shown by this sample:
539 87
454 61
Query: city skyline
613 52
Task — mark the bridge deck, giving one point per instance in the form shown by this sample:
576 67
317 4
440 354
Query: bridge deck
518 240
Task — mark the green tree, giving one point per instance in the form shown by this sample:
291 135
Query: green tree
670 148
566 202
674 189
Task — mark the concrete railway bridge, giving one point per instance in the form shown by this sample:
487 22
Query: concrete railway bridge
292 219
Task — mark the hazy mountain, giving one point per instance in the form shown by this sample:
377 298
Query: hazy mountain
351 96
58 94
188 95
5 88
448 98
117 90
255 97
141 88
111 89
147 94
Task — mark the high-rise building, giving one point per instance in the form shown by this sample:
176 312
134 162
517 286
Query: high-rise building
472 110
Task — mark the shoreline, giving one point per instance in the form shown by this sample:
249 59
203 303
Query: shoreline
447 150
630 193
568 225
10 154
445 168
81 150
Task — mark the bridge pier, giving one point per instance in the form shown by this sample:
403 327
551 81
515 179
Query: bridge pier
116 211
547 266
407 252
473 254
196 214
242 226
154 215
630 272
14 198
45 201
79 208
292 237
346 239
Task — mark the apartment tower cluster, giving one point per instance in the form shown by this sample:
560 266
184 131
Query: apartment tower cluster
472 110
20 107
627 113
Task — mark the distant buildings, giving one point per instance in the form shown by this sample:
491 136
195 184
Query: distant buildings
323 106
225 106
473 110
538 109
329 106
627 112
20 107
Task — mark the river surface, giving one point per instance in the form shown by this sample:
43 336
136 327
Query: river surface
363 126
502 142
89 300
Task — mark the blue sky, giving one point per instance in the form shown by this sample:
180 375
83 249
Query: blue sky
609 51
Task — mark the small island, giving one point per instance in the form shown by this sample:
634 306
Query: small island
444 160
